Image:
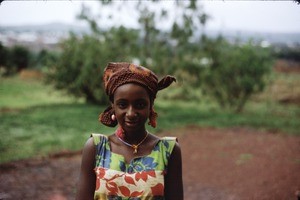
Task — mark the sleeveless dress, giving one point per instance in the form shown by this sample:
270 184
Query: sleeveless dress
141 179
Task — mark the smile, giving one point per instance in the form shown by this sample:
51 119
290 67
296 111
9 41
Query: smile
131 123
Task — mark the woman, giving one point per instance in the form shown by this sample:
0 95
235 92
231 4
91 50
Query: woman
131 163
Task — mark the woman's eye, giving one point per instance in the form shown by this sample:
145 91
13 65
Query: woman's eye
141 105
121 105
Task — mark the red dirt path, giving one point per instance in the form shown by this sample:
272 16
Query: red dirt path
221 164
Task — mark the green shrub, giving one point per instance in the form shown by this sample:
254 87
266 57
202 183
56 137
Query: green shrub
235 72
80 67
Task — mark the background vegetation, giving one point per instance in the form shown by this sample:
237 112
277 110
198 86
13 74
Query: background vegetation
37 120
221 83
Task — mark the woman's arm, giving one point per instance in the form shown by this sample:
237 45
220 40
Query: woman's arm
173 182
87 179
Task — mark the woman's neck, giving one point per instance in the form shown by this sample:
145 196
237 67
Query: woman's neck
135 137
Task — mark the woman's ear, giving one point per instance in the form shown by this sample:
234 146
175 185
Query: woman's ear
113 116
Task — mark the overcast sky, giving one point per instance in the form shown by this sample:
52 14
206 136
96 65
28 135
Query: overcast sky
259 16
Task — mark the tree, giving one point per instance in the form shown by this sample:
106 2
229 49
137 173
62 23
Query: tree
79 69
20 57
230 73
4 56
236 72
14 59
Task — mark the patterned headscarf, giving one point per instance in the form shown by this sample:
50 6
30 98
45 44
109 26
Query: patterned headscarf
117 74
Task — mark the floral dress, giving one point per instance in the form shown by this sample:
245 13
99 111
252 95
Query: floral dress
141 179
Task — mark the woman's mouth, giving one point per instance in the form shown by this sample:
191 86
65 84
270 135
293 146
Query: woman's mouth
131 123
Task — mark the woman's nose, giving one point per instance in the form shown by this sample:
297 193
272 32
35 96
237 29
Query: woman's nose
131 112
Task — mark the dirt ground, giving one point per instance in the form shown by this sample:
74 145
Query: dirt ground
220 164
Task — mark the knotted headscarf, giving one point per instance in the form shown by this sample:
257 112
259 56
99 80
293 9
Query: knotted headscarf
117 74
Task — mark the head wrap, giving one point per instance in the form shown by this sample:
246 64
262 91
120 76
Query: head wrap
117 74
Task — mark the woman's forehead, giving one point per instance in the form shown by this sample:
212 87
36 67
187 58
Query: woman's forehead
131 90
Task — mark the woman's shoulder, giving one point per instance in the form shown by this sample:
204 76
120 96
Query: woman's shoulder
169 138
163 139
98 138
164 143
172 140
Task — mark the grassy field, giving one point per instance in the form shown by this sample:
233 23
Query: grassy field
36 120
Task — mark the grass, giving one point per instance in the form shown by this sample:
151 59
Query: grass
43 129
36 120
277 119
18 93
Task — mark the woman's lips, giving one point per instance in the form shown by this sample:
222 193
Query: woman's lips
131 123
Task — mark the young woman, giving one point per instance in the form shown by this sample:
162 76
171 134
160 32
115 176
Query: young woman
131 163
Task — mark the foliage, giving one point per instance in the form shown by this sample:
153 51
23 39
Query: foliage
79 69
288 53
43 59
230 73
14 59
20 57
4 52
235 72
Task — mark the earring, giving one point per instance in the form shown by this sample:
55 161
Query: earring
152 118
113 117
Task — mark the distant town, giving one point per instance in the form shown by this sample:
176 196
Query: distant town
48 36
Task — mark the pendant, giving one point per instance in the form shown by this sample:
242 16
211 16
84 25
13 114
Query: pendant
135 147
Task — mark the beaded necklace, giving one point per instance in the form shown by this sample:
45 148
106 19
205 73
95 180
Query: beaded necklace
134 146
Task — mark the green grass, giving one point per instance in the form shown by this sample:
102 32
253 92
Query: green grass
17 93
277 119
39 130
36 120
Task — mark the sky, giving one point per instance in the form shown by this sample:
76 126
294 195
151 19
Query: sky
257 16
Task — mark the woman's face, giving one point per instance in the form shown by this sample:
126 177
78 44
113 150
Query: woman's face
132 107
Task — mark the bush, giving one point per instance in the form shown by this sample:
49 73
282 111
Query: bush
236 72
14 60
20 57
79 69
4 52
